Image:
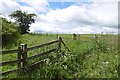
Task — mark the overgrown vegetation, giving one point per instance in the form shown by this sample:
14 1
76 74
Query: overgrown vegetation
9 32
89 57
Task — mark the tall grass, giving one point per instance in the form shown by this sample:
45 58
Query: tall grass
87 59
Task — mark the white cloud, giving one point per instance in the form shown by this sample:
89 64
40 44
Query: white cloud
82 30
106 29
105 13
28 9
81 18
105 1
38 5
8 6
32 6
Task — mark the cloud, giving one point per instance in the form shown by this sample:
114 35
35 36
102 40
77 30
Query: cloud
32 6
38 5
28 9
116 1
93 17
105 13
8 6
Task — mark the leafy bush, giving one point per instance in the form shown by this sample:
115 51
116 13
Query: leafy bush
9 31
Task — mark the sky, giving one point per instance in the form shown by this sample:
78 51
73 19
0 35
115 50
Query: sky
67 16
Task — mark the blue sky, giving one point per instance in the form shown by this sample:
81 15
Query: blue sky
23 4
60 5
67 16
53 5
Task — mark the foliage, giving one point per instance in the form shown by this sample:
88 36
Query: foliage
24 20
87 59
9 31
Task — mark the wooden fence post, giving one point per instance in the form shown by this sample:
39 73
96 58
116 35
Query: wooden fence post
74 36
96 39
59 43
19 56
24 56
57 36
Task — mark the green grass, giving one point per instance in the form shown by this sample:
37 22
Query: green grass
87 59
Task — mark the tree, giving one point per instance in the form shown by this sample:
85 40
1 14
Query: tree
9 31
24 20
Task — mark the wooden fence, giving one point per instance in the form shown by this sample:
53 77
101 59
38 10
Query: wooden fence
22 58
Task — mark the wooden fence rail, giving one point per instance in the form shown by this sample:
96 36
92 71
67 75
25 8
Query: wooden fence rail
42 45
22 58
10 62
41 54
9 51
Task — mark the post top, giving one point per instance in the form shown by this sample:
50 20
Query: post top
59 37
23 44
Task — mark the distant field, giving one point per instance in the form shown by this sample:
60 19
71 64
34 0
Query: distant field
89 57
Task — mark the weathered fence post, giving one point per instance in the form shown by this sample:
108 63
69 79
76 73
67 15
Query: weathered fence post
59 43
78 36
19 56
57 36
96 41
74 36
96 38
24 56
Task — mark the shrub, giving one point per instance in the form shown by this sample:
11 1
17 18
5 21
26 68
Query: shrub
9 31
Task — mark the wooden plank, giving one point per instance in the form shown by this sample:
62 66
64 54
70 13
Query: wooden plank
31 48
8 72
42 45
41 54
65 46
9 62
9 51
35 64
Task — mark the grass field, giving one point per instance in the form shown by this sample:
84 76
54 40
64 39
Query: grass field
87 59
